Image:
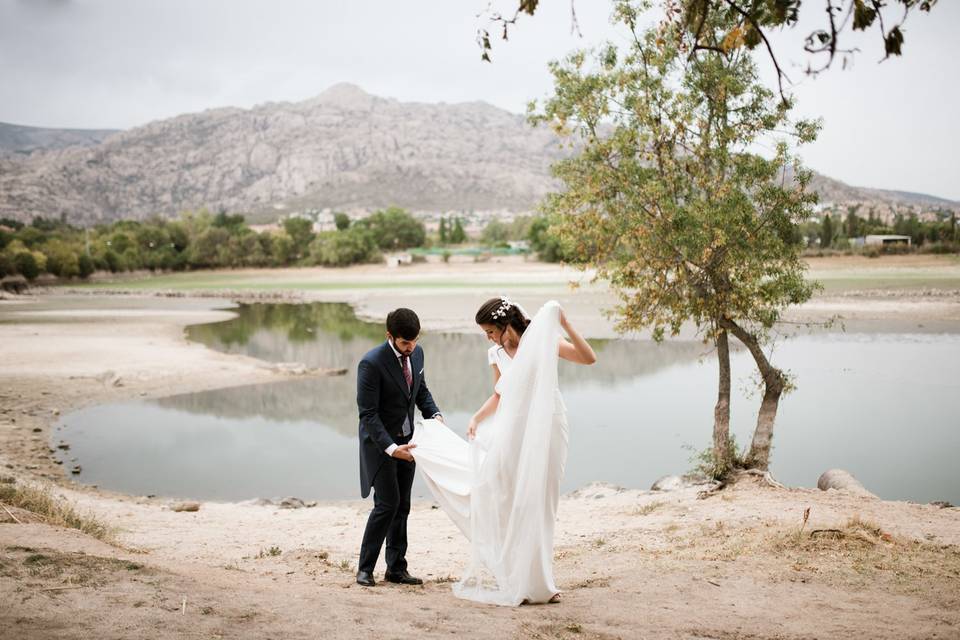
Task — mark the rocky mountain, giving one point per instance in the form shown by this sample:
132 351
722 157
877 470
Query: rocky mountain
834 191
19 140
344 149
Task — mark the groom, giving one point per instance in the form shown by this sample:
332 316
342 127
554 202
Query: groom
390 383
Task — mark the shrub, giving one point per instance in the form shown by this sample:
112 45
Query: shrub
85 266
26 265
343 248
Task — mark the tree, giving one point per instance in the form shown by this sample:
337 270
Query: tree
750 23
544 238
62 260
301 233
85 266
281 248
667 201
826 233
395 228
26 265
458 235
495 233
443 229
207 249
342 248
341 221
853 226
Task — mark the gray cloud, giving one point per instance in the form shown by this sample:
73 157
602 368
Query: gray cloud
117 64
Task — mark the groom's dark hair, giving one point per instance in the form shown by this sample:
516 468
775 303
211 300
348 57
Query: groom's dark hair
403 323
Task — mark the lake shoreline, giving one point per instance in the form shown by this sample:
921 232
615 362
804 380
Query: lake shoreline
627 560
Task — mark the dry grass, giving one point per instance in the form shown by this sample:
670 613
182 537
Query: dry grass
860 552
40 500
647 509
66 569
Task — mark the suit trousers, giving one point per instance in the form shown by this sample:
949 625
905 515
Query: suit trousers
388 519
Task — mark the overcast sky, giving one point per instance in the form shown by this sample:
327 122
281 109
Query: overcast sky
122 63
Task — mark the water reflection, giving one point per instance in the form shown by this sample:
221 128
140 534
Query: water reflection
330 335
882 406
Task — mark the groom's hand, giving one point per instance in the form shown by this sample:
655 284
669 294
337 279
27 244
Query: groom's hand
403 452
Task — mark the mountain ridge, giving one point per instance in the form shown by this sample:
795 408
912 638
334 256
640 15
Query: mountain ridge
342 149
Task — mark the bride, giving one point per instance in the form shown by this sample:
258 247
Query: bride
502 487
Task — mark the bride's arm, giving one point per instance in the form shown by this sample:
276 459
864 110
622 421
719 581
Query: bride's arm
487 409
576 349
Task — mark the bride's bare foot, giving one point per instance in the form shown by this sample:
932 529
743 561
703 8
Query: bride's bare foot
555 599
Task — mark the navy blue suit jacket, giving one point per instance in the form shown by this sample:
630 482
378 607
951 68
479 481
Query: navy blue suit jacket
384 401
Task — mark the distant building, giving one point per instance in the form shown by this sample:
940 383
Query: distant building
883 240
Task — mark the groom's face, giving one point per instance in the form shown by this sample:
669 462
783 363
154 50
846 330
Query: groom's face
402 345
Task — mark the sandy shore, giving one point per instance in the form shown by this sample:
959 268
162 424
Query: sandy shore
631 563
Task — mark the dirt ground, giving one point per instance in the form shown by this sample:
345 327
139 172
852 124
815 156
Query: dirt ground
740 563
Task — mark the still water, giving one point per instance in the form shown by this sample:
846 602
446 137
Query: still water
884 406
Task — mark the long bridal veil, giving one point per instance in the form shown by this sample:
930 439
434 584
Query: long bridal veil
502 489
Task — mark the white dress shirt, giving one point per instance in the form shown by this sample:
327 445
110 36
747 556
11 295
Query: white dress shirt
393 447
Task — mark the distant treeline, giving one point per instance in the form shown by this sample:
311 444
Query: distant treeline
836 232
204 240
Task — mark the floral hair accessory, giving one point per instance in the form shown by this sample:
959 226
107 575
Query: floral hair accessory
501 311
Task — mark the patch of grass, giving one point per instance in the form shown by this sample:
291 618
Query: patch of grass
648 508
598 543
56 511
73 568
37 559
272 552
444 579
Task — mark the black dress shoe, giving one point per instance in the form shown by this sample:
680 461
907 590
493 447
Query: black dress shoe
366 579
401 577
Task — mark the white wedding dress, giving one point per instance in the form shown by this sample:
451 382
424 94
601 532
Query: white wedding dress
502 488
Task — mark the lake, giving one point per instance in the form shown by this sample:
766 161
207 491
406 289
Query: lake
885 407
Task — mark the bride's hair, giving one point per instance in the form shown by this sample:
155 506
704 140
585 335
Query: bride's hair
502 313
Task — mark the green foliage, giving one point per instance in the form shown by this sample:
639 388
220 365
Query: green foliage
457 234
62 260
749 25
443 230
31 236
25 264
667 198
395 229
341 220
341 248
826 234
669 203
85 266
494 233
708 464
230 222
546 240
301 234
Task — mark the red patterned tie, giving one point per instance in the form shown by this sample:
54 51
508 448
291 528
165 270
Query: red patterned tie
407 375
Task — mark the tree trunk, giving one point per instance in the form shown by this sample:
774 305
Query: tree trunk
773 383
721 413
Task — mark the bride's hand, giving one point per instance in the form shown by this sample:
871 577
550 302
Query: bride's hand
471 429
